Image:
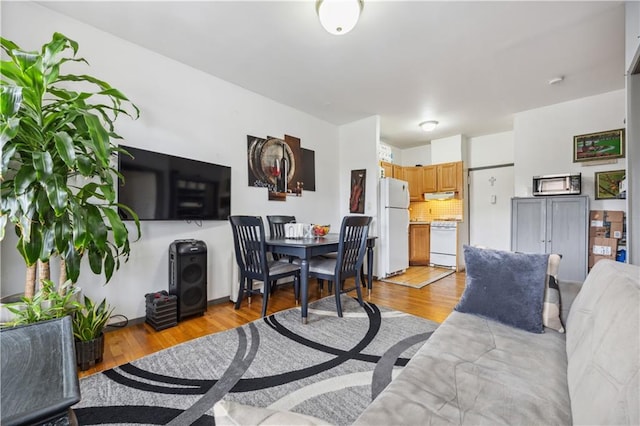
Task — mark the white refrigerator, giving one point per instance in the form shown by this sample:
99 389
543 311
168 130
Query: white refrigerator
393 237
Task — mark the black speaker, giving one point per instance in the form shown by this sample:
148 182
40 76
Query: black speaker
188 276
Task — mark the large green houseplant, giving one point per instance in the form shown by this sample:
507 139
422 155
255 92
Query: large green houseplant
57 172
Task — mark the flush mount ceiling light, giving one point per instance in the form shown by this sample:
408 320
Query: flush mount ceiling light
428 126
339 16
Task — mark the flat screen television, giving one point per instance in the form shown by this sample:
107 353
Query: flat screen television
165 187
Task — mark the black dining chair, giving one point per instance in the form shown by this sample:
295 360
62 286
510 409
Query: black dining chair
251 256
276 229
348 263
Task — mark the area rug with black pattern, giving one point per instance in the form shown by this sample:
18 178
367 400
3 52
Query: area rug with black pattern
331 368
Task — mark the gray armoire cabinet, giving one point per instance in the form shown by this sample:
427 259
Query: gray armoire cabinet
557 224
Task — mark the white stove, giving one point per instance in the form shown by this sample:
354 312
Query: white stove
443 244
444 224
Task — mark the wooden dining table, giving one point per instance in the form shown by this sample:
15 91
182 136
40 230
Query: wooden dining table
305 249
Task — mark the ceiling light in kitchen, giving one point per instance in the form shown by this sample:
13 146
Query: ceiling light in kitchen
339 16
428 126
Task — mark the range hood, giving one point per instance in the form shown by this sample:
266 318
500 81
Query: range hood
439 195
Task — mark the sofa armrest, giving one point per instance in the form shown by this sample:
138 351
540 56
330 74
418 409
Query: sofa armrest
568 292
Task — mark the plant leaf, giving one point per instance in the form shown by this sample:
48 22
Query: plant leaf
118 229
109 265
30 250
62 234
3 224
134 215
10 100
72 264
96 227
85 165
8 130
99 138
23 179
48 245
7 155
78 225
42 163
95 261
57 193
65 148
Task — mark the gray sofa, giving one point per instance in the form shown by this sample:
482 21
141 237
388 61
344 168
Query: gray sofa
475 371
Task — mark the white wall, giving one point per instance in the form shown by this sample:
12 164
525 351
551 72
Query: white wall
633 168
447 150
357 150
417 155
544 142
490 150
632 49
187 113
632 32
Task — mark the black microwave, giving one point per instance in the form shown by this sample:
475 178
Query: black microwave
562 184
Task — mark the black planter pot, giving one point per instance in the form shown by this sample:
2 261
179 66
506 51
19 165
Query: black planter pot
89 353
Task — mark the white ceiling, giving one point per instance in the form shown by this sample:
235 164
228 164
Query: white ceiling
469 65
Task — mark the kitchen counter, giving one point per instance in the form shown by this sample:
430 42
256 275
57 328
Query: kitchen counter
419 222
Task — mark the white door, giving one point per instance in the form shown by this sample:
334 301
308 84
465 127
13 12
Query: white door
490 193
398 195
398 255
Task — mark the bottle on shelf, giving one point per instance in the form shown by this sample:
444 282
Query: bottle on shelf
284 170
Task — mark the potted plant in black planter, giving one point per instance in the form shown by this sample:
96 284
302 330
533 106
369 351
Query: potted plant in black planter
89 321
45 305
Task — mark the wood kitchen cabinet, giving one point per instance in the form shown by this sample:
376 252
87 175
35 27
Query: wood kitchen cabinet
443 177
430 179
392 170
436 178
387 168
419 244
448 176
413 175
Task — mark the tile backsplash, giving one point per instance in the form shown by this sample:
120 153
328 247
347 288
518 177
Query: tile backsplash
436 209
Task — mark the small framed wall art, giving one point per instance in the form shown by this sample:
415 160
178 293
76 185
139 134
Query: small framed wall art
608 184
599 146
358 187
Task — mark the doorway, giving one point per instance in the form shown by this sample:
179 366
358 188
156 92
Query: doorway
490 193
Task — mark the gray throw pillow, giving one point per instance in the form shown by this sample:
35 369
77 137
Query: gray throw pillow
504 286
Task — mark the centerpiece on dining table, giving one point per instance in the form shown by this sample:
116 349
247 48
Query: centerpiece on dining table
319 230
305 230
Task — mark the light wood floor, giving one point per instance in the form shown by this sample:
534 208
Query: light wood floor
433 302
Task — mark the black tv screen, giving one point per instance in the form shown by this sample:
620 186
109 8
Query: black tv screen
165 187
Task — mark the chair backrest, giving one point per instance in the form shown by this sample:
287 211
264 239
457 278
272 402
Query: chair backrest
353 243
250 247
276 224
276 229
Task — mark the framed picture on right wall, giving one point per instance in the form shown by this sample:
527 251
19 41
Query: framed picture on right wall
599 146
608 184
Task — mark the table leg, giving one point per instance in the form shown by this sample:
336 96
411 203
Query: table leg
304 288
369 269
